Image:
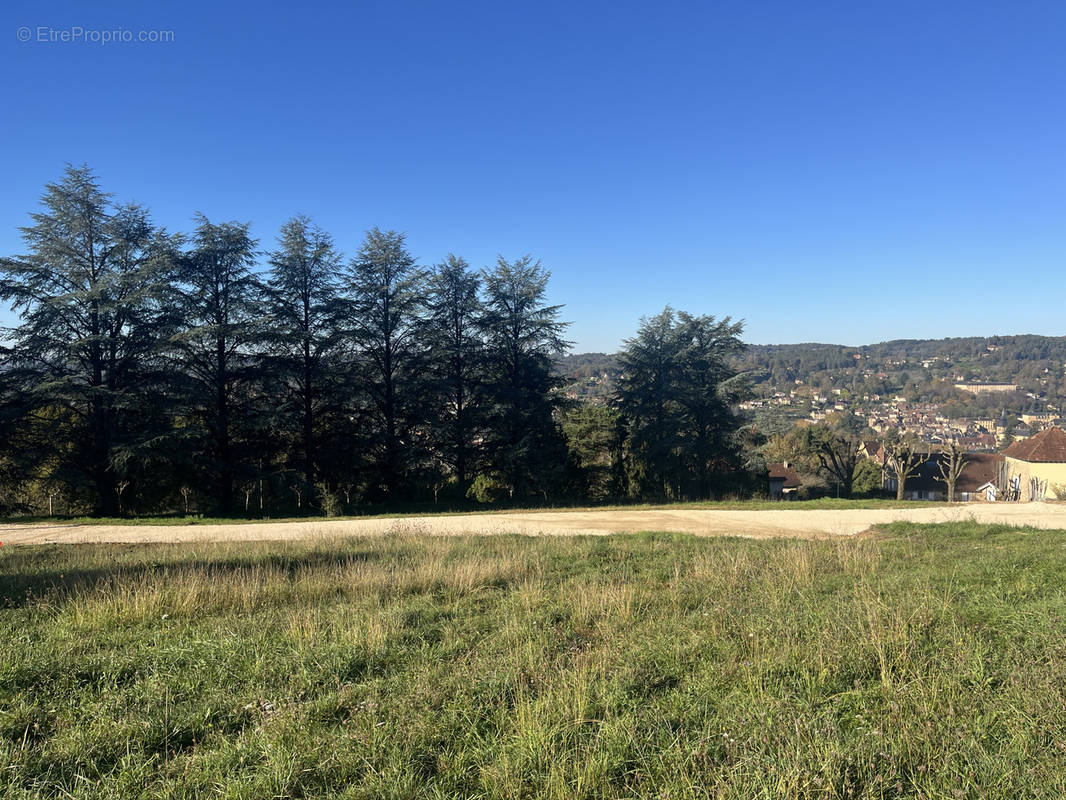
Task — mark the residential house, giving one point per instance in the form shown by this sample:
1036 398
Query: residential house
1042 419
922 485
784 481
1036 468
979 480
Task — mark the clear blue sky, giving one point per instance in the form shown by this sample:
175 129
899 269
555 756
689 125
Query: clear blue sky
846 172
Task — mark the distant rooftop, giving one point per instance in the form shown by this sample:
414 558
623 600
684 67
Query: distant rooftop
1047 446
779 471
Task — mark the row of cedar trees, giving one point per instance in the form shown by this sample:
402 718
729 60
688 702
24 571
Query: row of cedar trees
150 371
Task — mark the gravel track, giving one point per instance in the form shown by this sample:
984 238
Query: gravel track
810 523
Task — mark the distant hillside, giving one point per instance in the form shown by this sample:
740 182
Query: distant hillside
926 368
589 377
583 365
919 369
985 354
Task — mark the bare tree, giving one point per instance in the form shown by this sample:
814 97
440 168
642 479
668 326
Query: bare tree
951 464
902 457
53 492
347 489
120 488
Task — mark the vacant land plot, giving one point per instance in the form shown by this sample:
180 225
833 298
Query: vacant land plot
756 523
914 662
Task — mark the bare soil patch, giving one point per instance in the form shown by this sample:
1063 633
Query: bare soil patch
754 523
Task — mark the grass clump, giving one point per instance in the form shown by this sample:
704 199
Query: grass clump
923 661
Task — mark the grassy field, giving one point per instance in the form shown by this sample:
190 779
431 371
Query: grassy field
919 662
825 503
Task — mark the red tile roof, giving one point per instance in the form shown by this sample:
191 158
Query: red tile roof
1047 446
872 448
789 475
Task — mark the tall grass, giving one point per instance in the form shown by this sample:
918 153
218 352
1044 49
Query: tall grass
919 662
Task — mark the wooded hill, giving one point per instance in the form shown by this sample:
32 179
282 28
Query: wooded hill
923 370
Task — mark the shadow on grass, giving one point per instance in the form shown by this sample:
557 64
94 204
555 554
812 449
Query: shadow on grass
18 589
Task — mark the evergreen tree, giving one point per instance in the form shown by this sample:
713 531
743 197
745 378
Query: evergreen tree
457 364
304 335
12 451
150 372
387 291
217 298
677 391
648 401
523 444
88 294
707 391
595 437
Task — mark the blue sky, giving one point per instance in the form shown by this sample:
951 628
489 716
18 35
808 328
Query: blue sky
845 172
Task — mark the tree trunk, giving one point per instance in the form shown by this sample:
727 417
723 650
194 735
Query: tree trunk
107 500
308 413
460 470
460 437
225 465
103 476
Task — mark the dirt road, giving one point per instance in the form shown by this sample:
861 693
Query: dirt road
762 523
